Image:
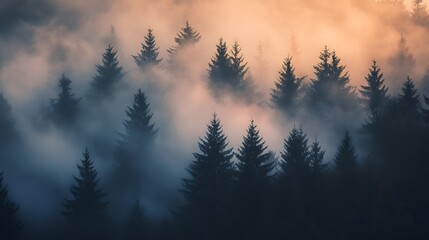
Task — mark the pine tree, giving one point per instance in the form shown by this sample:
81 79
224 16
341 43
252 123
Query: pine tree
7 123
220 71
139 129
254 181
409 99
285 94
294 187
109 75
346 160
239 68
148 55
254 164
375 92
136 226
85 211
133 153
316 159
65 107
10 226
295 155
330 86
186 37
207 190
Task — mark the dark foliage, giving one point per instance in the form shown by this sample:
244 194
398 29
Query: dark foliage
207 192
10 225
187 36
109 75
65 108
285 95
85 212
148 55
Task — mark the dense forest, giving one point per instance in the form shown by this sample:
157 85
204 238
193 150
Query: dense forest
353 163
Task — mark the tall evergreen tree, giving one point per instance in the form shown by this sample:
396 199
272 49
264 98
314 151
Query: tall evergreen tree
316 159
209 187
254 181
285 94
220 71
139 129
10 226
65 107
148 55
409 99
186 37
136 225
294 191
7 123
239 68
375 92
330 86
347 193
345 159
109 75
133 153
85 211
295 156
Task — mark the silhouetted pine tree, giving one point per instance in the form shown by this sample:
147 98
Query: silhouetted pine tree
65 107
347 205
7 123
186 37
285 94
10 226
133 153
239 68
294 192
109 75
136 227
139 129
295 155
375 92
330 88
85 211
208 189
409 99
345 159
316 159
220 72
148 55
254 181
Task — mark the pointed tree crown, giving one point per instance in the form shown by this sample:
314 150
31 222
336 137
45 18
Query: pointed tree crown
86 204
148 55
346 159
187 36
254 164
286 89
139 129
409 99
65 107
375 92
295 155
108 75
239 68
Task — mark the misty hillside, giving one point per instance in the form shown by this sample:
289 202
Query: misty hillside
184 119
